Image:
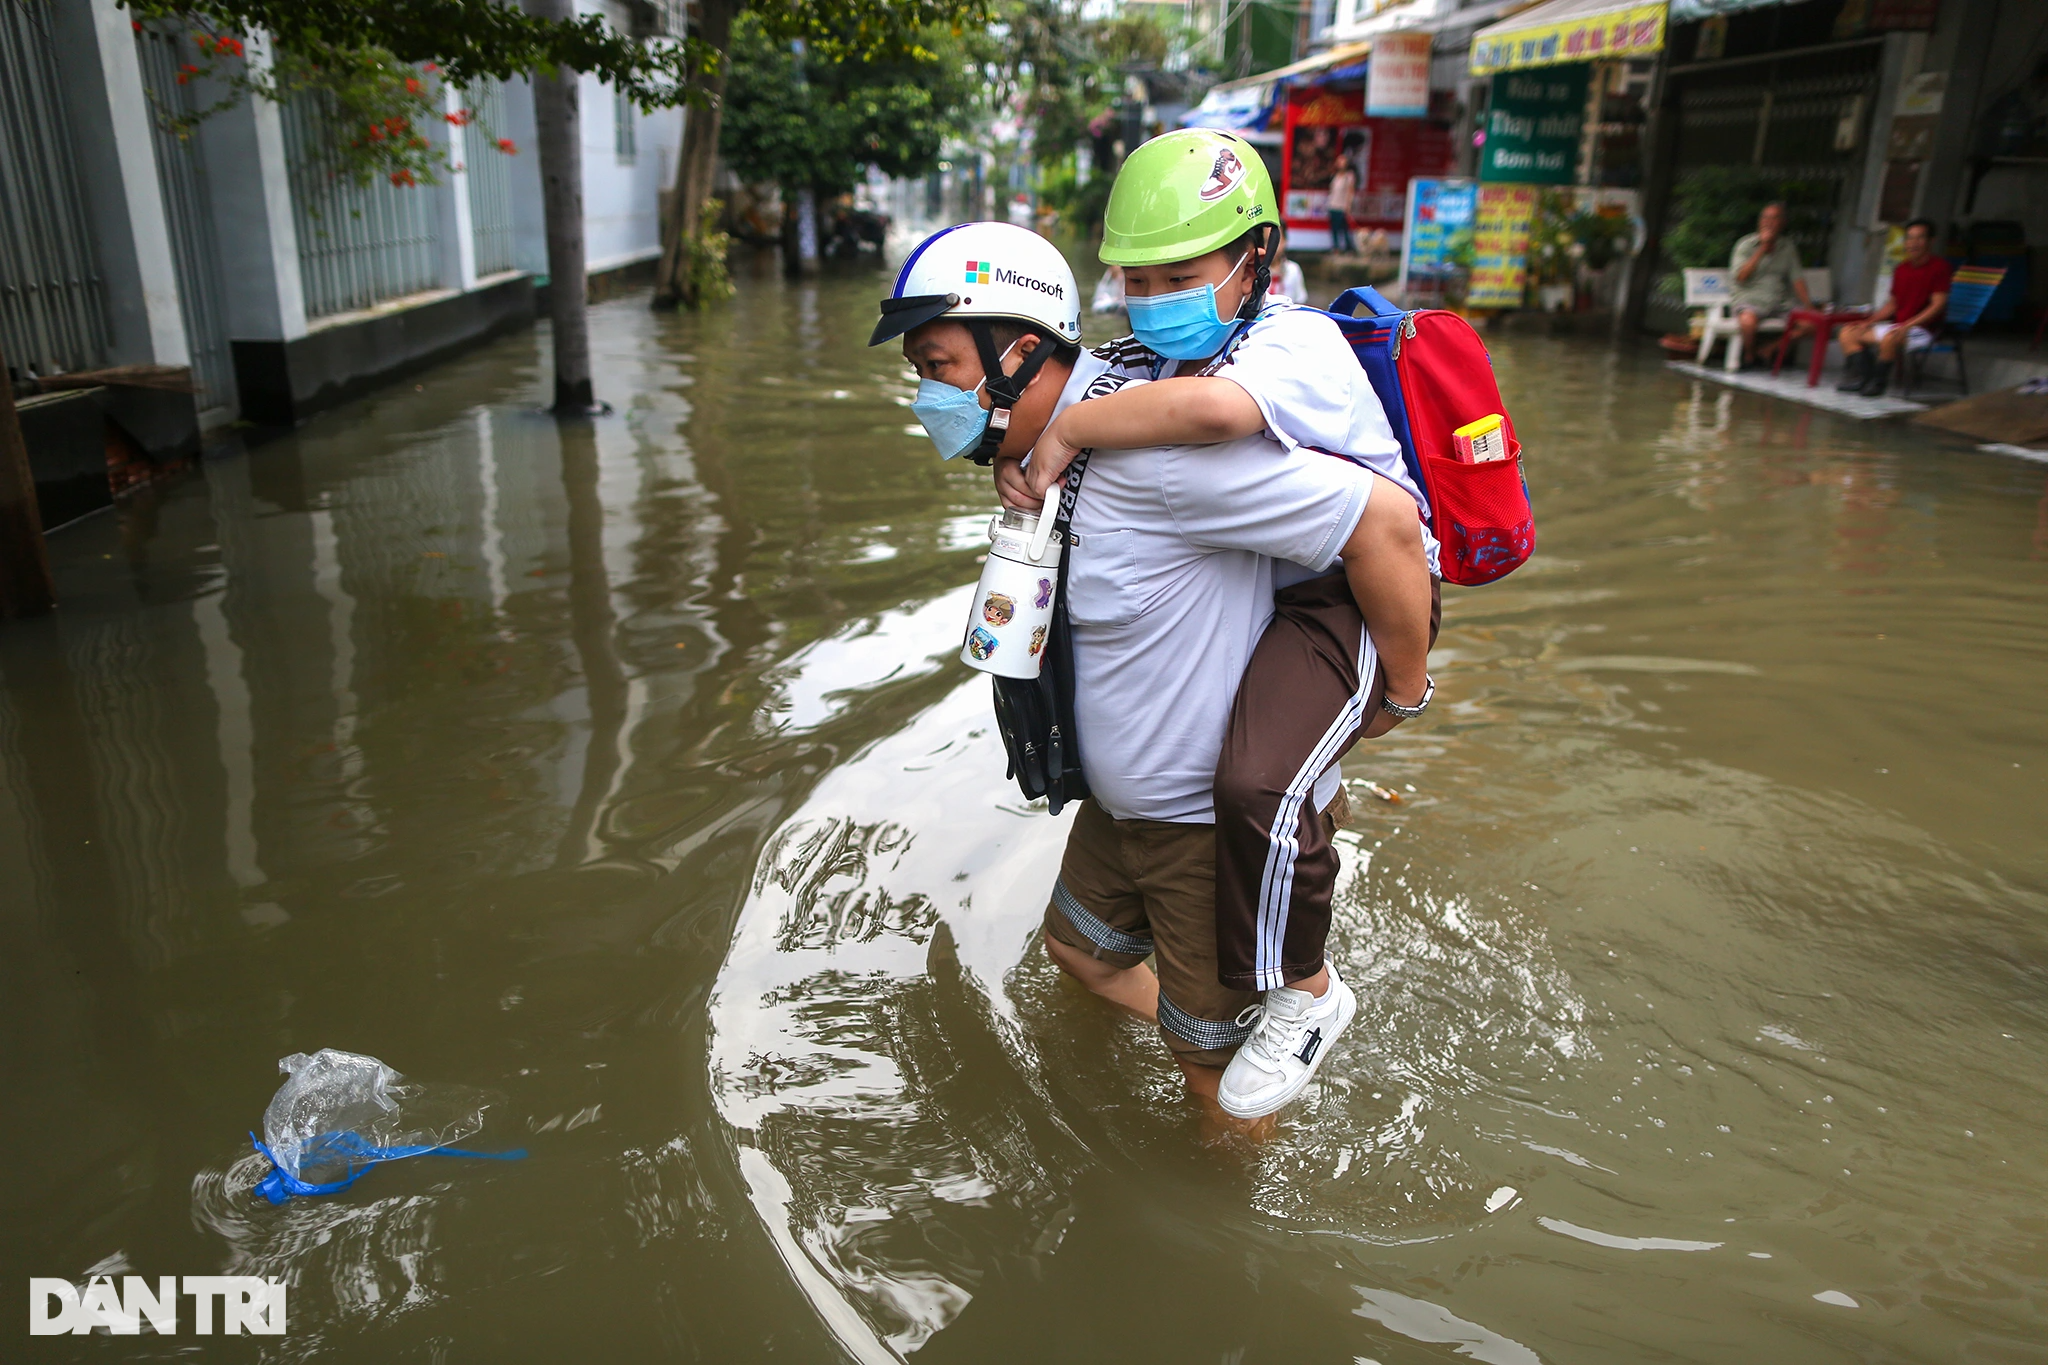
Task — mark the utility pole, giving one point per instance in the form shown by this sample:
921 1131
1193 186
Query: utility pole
25 586
558 129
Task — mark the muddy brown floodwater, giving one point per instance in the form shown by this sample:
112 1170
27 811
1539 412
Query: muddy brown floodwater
624 771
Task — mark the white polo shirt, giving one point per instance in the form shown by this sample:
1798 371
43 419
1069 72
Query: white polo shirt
1298 368
1169 588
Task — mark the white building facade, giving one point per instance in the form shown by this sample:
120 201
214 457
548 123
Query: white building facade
238 252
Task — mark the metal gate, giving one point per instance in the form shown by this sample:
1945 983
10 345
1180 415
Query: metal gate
490 179
188 209
1781 118
52 310
358 244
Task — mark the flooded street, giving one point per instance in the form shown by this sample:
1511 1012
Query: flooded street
626 771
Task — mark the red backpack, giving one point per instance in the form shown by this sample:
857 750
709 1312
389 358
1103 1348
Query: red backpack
1433 375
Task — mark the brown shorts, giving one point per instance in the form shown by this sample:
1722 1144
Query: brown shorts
1132 889
1307 694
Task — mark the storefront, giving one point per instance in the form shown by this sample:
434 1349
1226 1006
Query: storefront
1310 117
1327 127
1560 148
1762 101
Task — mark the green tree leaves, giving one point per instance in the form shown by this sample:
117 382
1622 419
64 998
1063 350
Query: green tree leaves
819 116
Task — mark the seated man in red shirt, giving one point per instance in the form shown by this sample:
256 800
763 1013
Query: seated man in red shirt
1905 321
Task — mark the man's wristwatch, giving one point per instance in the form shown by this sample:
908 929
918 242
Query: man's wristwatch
1411 712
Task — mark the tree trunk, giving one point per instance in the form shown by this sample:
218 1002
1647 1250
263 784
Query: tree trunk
698 164
558 126
25 587
806 230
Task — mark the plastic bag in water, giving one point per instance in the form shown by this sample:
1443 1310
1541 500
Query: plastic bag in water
340 1113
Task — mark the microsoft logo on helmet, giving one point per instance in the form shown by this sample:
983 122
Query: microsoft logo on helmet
977 272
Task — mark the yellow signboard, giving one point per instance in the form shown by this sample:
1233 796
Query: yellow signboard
1633 31
1500 246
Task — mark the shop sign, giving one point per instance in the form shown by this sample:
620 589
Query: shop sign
1636 31
1533 125
1859 17
1328 127
1441 217
1500 243
1397 79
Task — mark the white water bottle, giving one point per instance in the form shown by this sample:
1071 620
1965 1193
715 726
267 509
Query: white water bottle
1012 612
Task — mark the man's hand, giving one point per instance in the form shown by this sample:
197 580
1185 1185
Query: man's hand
1013 485
1050 458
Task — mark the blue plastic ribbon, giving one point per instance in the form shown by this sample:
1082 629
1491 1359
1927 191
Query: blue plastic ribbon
351 1151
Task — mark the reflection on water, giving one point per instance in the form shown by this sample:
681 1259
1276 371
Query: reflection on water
626 770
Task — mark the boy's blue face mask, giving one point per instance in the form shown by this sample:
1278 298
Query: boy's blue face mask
953 418
1183 325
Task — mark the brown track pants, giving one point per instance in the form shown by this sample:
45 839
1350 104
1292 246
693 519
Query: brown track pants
1312 683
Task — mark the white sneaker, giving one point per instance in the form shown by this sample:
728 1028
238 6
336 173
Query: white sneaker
1292 1031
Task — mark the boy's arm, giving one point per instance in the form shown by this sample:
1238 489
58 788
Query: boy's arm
1195 410
1389 578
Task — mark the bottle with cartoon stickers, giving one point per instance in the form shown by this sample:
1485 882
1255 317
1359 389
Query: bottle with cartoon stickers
1012 611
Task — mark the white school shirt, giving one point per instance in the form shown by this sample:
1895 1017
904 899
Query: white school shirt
1170 584
1310 388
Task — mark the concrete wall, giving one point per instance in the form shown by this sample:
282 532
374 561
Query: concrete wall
287 369
112 136
622 198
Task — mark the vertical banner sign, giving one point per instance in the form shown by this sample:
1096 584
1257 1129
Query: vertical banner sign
1441 218
1397 78
1533 126
1501 246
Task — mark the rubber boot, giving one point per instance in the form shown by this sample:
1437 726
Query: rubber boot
1880 379
1855 372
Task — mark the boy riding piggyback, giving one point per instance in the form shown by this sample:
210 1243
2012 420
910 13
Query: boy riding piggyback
1193 223
1229 426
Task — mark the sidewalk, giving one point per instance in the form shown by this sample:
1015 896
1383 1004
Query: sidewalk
1996 360
1791 384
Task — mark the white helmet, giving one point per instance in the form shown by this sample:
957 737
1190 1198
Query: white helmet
984 270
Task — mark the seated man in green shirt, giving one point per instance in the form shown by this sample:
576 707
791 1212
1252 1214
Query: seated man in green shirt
1767 278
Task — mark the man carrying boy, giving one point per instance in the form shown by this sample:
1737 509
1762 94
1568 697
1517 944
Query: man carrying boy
1171 588
1191 222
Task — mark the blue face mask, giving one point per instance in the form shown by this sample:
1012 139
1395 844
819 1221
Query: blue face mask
953 418
1183 325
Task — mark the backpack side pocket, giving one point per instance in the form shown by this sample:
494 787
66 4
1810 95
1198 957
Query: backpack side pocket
1481 516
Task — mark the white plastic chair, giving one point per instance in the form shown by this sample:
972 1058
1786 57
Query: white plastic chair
1711 289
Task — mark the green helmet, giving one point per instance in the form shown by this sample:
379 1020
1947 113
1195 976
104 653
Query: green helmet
1184 194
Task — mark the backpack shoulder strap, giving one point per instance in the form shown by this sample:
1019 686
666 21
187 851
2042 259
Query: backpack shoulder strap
1375 302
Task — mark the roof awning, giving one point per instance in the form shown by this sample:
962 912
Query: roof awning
1685 11
1421 16
1237 108
1569 31
1348 54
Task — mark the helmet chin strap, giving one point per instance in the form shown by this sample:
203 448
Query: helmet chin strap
1004 390
1262 272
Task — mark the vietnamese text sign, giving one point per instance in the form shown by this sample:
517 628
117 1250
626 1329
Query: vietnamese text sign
1441 217
1636 31
1397 79
1533 125
1500 244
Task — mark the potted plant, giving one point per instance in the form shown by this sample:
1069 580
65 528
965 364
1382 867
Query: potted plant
1553 251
